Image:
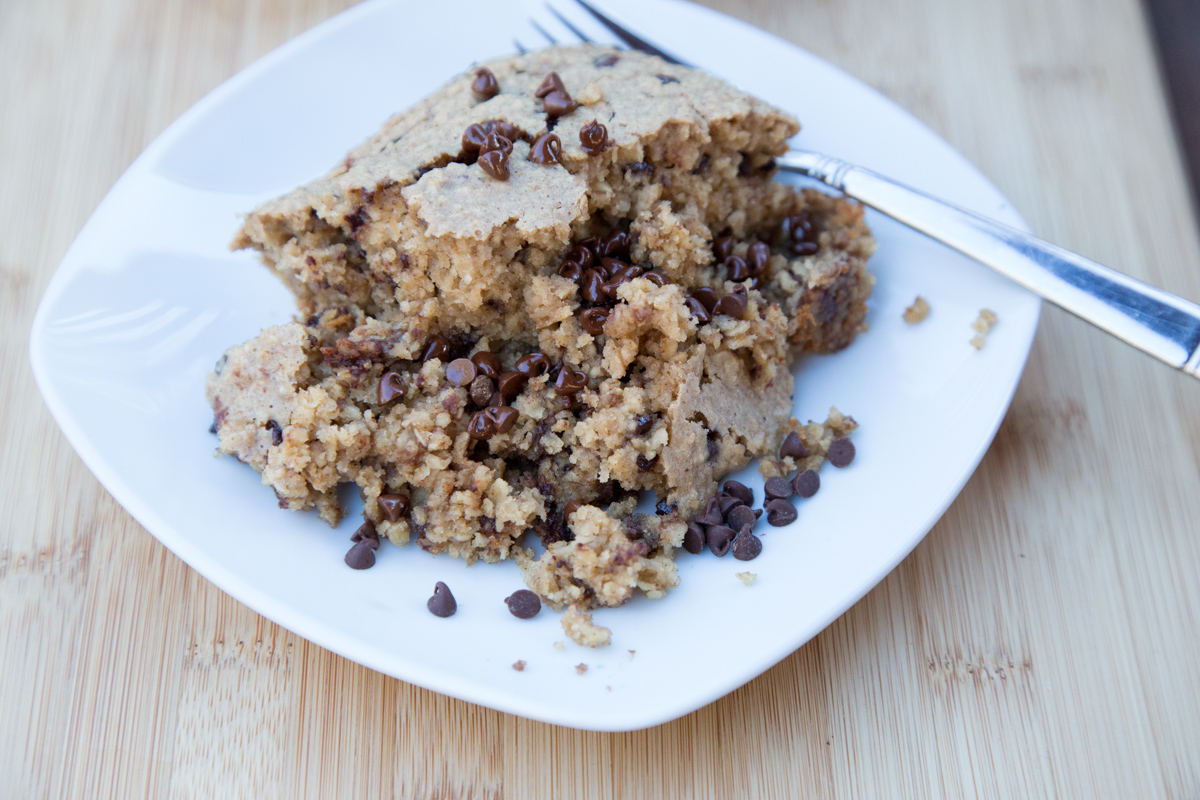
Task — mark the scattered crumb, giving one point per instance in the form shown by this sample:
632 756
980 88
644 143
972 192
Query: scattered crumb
590 95
983 324
747 578
519 666
632 653
579 626
608 687
558 645
918 311
581 668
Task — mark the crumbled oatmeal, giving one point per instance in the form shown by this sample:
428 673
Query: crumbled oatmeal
581 668
983 325
747 578
917 312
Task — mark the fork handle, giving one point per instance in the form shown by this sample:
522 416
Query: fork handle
1157 322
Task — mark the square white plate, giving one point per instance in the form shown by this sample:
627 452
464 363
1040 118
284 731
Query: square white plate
149 296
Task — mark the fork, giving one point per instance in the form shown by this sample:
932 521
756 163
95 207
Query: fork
1153 320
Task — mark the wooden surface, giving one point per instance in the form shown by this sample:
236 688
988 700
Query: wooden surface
1041 641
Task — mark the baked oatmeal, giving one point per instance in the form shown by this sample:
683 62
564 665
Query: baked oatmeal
564 279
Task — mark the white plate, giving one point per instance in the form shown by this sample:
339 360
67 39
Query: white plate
149 296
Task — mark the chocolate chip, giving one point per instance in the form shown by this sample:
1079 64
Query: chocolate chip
473 138
496 141
437 348
570 381
461 371
394 506
698 311
780 512
594 138
694 539
583 255
615 245
727 502
510 384
533 365
606 60
640 168
366 532
642 425
807 483
757 257
570 508
592 287
361 555
841 452
524 604
722 248
739 490
746 546
546 150
714 445
481 390
719 539
777 488
213 428
712 513
611 266
276 432
732 305
485 86
591 244
665 79
552 83
487 364
571 270
805 248
505 129
558 104
645 464
793 447
503 417
657 278
481 426
707 297
593 320
740 516
391 386
442 603
662 508
737 268
495 164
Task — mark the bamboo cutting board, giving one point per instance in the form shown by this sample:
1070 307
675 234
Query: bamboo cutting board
1041 641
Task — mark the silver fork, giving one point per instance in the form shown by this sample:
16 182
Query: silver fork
1153 320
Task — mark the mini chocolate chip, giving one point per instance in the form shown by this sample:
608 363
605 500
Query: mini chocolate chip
712 513
665 79
731 305
481 390
394 506
593 320
746 546
524 604
737 268
645 464
571 270
487 364
800 225
366 532
583 255
741 516
497 400
642 425
570 381
391 386
606 60
485 86
793 447
461 371
592 287
805 248
722 248
473 138
276 432
361 555
551 83
510 384
707 297
495 164
594 138
213 428
437 348
807 483
546 150
504 417
757 257
442 603
591 244
739 490
780 512
505 129
777 488
481 426
662 508
570 508
694 539
714 446
496 141
616 244
533 365
611 266
657 278
727 502
698 311
558 104
719 539
640 168
841 452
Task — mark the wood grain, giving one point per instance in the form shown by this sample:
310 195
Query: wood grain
1041 642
